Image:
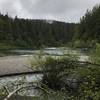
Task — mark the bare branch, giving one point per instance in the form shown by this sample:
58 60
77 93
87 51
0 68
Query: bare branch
20 88
12 93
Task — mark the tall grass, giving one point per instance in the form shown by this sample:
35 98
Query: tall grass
71 80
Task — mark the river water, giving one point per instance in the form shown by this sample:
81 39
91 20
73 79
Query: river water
21 63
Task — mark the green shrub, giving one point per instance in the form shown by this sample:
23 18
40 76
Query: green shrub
95 55
87 78
58 68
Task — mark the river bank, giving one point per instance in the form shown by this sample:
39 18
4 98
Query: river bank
22 62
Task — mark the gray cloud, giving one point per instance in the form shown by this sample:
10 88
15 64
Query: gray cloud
64 10
7 7
46 6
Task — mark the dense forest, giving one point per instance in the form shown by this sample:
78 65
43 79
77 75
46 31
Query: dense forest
29 33
34 33
89 28
90 24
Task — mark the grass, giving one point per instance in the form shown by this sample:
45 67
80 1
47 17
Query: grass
19 97
87 78
5 49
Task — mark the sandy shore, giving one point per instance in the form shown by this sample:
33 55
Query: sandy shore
21 63
15 64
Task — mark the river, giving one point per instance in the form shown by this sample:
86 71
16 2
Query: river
22 63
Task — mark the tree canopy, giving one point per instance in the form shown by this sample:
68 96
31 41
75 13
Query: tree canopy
35 33
89 28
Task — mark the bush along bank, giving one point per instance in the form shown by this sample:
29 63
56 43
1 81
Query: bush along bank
74 80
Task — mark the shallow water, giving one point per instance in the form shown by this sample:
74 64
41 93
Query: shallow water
12 83
21 63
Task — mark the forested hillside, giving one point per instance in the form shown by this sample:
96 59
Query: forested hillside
34 33
88 31
90 24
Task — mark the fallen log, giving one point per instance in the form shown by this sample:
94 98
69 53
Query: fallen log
46 71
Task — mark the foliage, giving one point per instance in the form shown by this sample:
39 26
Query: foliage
58 67
95 54
68 79
34 33
87 84
89 27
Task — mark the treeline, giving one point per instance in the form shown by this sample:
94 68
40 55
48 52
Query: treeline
88 31
30 33
89 28
34 33
90 24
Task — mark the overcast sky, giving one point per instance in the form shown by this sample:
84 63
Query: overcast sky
62 10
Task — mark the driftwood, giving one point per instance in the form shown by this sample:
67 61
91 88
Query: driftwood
10 94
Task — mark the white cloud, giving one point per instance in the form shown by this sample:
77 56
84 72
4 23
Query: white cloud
64 10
